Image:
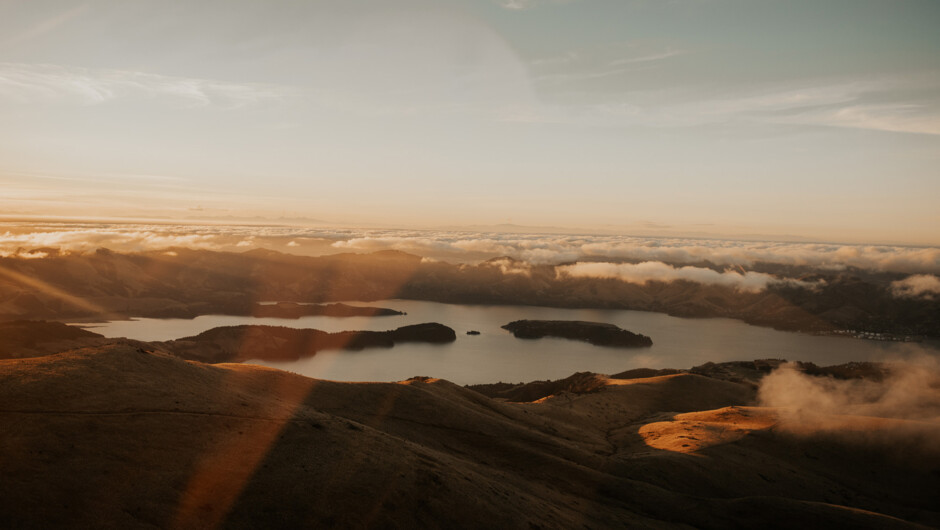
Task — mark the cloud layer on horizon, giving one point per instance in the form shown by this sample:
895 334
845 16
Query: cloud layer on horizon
560 249
471 247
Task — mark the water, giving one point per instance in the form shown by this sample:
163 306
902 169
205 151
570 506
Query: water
495 355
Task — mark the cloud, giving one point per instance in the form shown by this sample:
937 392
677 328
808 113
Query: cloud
655 271
861 410
519 5
917 286
557 249
510 266
27 83
910 391
648 58
897 117
469 247
906 105
23 254
84 238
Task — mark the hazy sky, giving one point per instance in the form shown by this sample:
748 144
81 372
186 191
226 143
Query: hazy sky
819 118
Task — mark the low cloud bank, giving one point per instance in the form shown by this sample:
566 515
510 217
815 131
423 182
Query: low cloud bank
657 271
900 413
917 286
557 249
87 239
470 247
509 266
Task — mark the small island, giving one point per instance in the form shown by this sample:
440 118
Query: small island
473 332
296 310
596 333
276 343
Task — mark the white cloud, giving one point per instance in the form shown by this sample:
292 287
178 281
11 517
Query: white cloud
648 58
900 117
519 5
25 83
655 271
556 249
917 286
909 391
857 104
509 266
81 240
533 249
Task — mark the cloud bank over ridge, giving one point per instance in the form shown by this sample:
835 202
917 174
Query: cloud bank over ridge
648 271
917 286
627 258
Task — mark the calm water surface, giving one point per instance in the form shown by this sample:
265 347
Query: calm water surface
495 355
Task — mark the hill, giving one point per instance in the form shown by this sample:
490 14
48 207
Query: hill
126 435
184 283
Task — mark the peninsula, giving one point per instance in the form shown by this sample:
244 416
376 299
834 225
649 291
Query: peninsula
295 310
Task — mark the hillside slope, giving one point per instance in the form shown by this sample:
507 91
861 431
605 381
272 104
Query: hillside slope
123 435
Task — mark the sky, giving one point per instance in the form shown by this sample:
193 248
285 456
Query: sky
816 119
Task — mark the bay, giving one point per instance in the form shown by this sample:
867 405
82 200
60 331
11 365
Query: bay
495 355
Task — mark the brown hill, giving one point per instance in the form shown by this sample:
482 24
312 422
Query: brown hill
29 338
126 436
184 283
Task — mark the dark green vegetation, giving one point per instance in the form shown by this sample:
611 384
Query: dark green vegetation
596 333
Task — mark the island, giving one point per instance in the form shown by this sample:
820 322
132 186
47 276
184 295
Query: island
277 343
295 310
596 333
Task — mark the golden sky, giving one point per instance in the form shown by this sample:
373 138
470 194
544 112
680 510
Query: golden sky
719 117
